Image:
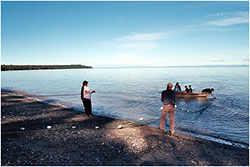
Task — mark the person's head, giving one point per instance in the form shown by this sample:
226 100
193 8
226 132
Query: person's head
176 85
212 89
85 83
190 86
169 86
186 86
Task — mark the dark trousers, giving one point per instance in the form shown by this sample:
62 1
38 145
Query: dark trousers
87 106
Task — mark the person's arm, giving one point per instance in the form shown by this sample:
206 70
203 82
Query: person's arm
161 97
174 98
82 92
90 91
213 95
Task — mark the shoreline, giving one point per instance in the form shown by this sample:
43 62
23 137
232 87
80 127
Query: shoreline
36 133
190 133
5 67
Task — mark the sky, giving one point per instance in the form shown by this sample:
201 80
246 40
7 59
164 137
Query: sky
128 33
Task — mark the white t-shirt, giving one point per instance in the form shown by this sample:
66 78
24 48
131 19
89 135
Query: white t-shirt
86 93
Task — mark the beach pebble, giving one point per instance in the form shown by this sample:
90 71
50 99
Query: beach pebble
48 127
22 128
193 162
119 127
97 159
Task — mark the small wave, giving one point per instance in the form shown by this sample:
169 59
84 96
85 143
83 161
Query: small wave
218 139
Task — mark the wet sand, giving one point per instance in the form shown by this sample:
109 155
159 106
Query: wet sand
37 134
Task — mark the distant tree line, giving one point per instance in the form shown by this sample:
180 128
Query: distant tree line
41 67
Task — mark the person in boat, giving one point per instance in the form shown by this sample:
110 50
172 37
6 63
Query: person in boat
86 98
177 87
186 89
190 90
168 98
207 90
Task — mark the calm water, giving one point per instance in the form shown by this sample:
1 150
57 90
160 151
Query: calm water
132 93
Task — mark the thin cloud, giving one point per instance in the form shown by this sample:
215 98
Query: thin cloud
246 60
227 22
139 41
229 18
235 52
231 14
143 37
217 60
140 45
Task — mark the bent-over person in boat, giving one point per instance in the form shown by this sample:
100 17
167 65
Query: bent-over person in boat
209 91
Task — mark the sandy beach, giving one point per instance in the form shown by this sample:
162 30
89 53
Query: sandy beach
36 134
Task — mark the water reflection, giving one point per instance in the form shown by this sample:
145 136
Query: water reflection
197 99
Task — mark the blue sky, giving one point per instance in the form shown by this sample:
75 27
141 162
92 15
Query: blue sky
162 33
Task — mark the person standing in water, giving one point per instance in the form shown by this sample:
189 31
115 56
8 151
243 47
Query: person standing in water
86 98
168 98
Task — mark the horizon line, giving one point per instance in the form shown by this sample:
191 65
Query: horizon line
173 66
131 66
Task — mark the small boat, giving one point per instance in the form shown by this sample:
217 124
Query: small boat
191 95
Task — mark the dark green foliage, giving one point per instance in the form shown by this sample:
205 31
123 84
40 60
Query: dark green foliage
41 67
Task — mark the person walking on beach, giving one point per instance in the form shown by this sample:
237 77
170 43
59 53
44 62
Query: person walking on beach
168 98
86 98
209 91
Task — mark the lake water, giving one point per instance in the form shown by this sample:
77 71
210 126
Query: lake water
132 93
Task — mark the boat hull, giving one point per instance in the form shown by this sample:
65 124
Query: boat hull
191 95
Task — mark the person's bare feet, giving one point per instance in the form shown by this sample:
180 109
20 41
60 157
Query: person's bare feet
161 130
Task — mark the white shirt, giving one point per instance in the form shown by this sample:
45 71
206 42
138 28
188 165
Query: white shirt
86 93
